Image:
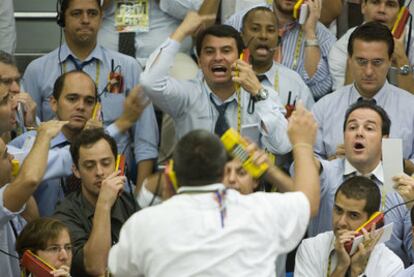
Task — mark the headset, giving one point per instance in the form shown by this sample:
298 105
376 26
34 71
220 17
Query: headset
61 7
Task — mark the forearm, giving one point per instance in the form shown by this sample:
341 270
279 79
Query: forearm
408 167
144 169
281 180
97 247
306 174
339 272
400 59
312 58
30 175
209 7
31 212
331 9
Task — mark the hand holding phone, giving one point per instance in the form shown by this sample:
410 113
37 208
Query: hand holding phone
401 21
377 220
36 265
244 56
236 145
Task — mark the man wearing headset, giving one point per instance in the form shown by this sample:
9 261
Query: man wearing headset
115 75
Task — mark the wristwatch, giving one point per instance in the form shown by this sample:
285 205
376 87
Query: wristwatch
405 69
262 94
311 43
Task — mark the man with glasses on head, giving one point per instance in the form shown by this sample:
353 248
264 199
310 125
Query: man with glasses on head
369 58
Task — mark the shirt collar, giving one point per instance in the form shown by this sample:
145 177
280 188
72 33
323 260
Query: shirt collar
271 73
207 188
96 53
59 140
380 96
216 99
378 172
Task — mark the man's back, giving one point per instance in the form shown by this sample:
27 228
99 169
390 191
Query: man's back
188 235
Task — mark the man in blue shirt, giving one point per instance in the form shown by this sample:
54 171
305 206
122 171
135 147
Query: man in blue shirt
364 127
115 75
369 58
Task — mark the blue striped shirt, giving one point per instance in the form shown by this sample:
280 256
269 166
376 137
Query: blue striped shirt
321 82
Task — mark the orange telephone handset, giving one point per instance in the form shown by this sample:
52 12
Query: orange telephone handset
244 56
120 164
37 266
401 21
376 218
96 113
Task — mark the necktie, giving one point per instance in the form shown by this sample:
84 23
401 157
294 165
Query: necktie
373 101
81 65
261 77
221 123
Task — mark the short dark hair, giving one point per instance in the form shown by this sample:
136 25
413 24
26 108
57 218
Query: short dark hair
221 31
88 138
7 58
60 83
199 159
64 5
400 2
369 104
372 32
37 233
255 9
362 188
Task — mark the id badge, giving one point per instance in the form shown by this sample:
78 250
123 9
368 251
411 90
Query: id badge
132 15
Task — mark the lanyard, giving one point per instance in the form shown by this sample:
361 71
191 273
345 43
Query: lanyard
276 81
220 195
238 111
297 50
98 70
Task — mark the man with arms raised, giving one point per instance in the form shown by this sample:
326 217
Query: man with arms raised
228 94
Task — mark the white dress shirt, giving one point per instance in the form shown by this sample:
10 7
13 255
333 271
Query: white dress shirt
187 235
312 258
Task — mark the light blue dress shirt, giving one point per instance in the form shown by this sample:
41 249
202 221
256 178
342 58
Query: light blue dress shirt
288 81
333 174
189 104
330 112
41 74
9 266
321 82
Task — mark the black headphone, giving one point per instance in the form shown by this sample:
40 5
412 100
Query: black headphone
61 7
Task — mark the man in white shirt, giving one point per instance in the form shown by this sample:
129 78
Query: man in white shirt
325 255
208 230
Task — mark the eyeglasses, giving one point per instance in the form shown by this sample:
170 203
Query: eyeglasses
55 249
374 62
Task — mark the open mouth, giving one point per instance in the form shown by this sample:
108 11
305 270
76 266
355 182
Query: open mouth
359 146
262 50
219 70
